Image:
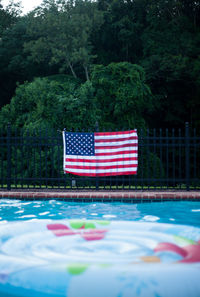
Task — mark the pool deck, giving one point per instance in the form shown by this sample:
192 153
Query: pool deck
102 196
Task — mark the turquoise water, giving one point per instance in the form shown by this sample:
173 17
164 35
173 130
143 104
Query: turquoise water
53 248
176 212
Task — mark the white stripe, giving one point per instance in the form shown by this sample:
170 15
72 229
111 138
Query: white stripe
101 157
101 170
115 136
115 143
102 163
113 150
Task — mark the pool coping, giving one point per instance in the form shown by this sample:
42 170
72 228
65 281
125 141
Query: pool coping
102 196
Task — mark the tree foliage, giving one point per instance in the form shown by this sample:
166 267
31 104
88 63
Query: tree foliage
108 47
61 34
53 102
116 97
9 15
122 95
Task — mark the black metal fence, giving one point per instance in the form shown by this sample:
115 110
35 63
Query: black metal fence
167 159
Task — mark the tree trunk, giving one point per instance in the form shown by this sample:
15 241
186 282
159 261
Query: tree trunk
86 72
72 70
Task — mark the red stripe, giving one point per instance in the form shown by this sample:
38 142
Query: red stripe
101 167
103 174
114 133
115 146
100 161
116 153
116 139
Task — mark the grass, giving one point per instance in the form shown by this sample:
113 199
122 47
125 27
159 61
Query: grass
106 187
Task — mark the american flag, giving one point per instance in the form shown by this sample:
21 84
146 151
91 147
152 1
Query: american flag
100 153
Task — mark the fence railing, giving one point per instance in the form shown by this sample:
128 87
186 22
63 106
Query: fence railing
167 159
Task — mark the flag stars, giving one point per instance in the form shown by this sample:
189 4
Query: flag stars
79 143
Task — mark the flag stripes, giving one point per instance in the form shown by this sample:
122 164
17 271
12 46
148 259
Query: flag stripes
99 167
68 161
97 140
114 153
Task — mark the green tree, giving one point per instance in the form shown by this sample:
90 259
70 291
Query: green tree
117 97
51 103
171 47
61 32
122 94
15 65
162 36
119 38
9 15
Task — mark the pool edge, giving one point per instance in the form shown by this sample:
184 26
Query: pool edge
104 196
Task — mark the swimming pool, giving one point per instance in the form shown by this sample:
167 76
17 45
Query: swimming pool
176 212
57 248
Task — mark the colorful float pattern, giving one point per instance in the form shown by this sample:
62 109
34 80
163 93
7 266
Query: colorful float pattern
98 258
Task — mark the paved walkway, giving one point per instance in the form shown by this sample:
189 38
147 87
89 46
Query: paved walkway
103 196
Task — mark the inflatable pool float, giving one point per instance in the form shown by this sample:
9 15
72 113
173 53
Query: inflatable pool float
85 258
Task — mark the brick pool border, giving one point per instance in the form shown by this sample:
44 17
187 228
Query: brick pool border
103 196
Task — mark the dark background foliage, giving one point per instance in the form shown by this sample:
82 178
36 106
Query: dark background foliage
133 63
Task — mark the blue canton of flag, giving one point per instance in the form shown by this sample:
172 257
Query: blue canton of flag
79 143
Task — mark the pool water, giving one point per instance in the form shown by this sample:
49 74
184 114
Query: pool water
54 248
175 212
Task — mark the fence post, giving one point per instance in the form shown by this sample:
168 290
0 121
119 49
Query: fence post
9 157
97 178
187 156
